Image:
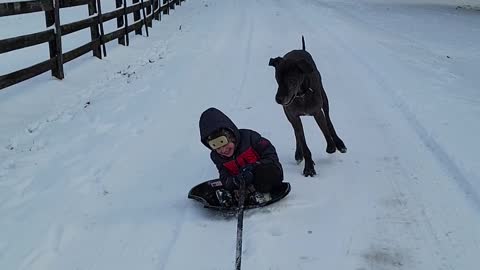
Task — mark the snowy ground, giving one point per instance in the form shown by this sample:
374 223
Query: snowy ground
95 169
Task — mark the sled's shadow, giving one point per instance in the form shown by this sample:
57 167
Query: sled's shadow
213 214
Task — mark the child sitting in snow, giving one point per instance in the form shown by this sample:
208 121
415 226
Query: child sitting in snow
239 155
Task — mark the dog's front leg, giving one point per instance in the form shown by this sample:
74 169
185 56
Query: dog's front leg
301 145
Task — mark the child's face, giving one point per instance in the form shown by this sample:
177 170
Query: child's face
226 150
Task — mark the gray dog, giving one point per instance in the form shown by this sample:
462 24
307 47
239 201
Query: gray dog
300 92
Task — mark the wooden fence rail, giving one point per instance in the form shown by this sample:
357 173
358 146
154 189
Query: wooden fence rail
144 12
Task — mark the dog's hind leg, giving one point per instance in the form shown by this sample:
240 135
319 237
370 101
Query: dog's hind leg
298 152
301 150
338 142
322 123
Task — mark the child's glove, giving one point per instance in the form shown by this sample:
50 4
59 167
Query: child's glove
246 174
232 183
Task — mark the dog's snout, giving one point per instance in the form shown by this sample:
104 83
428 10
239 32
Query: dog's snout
278 99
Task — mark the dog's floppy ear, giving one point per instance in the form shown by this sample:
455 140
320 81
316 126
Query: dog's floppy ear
275 61
304 66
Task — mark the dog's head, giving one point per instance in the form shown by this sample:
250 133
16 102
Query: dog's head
290 74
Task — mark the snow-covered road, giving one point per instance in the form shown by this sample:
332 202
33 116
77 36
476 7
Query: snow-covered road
94 172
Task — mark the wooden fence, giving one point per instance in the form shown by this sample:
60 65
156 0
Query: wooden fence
144 12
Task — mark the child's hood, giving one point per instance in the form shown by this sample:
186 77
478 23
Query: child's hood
213 119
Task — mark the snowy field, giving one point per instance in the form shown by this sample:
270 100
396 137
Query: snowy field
95 169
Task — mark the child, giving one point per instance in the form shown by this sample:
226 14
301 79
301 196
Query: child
239 155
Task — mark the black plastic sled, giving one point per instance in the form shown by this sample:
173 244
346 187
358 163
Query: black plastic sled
205 194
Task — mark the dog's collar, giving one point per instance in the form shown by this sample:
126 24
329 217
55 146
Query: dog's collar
299 96
304 92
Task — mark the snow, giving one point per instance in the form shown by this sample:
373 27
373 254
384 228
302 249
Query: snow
95 169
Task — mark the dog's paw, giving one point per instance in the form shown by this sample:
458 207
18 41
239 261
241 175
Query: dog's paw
331 148
309 172
340 145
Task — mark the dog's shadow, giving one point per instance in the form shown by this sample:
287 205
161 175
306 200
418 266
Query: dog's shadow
326 162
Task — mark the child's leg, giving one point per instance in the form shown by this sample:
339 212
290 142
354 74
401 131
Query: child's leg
267 177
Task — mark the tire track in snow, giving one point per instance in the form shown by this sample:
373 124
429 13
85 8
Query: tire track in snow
240 28
441 155
186 214
171 244
438 152
248 53
222 36
403 210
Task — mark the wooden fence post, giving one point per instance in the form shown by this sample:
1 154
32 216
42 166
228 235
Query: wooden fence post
94 33
52 44
167 10
121 40
100 22
52 48
136 18
150 12
156 14
57 71
144 18
49 16
126 21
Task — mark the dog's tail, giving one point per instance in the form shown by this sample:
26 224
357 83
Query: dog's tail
303 43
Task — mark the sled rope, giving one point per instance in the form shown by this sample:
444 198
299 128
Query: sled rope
241 205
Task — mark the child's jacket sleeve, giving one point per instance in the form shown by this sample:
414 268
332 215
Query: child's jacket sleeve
223 173
265 149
